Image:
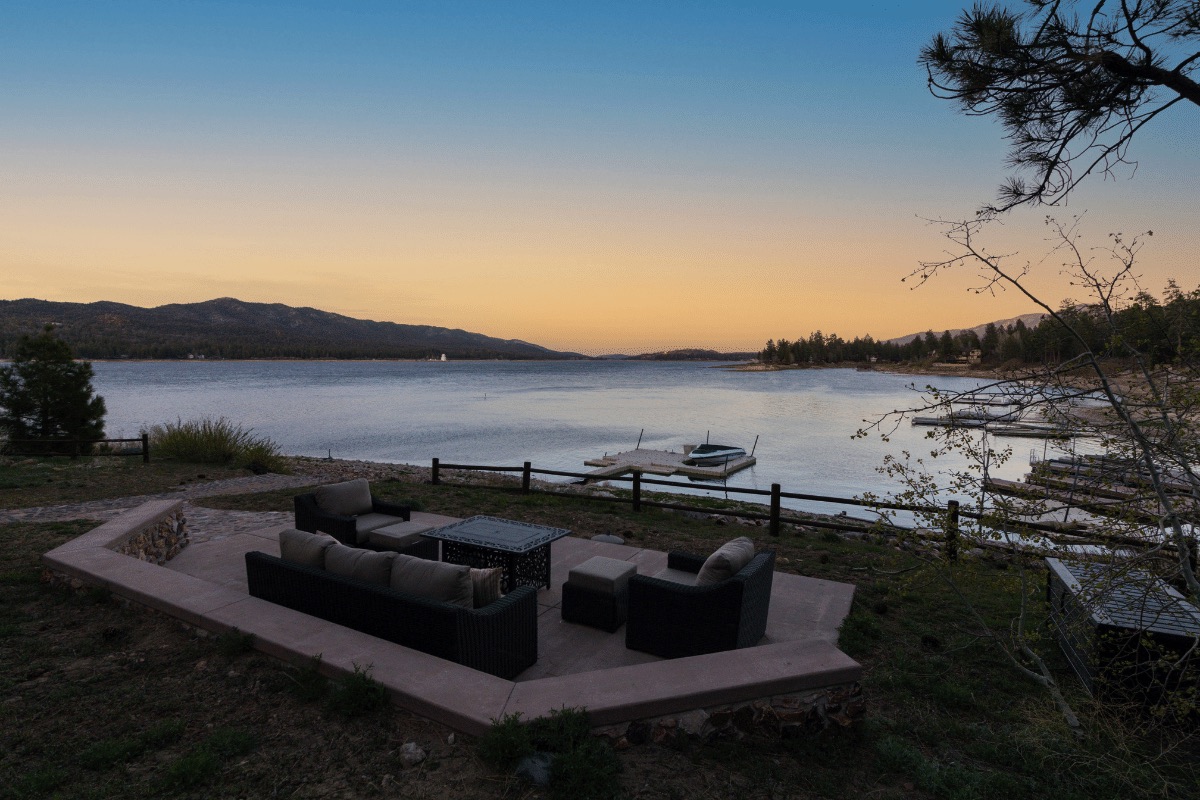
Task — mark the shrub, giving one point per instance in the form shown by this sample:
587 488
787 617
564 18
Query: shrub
562 731
583 767
357 694
216 441
505 743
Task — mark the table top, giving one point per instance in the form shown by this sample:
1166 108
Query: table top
505 535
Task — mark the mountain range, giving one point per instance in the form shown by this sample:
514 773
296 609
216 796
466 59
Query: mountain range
230 328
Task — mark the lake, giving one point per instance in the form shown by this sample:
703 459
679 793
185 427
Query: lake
554 414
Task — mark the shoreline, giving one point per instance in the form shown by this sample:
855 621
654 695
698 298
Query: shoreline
940 369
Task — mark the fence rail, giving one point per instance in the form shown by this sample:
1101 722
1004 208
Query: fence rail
949 515
77 447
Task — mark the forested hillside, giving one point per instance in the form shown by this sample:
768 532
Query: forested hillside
229 328
1162 329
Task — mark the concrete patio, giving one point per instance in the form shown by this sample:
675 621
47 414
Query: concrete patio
205 586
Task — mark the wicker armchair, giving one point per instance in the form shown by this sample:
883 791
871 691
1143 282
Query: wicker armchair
673 620
343 527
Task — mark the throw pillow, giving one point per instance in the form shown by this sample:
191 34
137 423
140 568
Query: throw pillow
302 547
364 565
349 498
434 580
726 561
486 585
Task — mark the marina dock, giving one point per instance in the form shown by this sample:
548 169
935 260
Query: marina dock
662 462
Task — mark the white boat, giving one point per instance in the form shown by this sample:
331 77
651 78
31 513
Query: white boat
711 454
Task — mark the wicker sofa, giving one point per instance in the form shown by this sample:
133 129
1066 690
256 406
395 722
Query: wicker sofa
672 619
500 638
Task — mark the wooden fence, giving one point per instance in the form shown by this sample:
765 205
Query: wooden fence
775 518
76 447
949 515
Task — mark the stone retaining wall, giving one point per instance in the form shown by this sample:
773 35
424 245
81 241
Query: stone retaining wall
159 541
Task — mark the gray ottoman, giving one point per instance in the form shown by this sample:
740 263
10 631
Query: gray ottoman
406 538
597 593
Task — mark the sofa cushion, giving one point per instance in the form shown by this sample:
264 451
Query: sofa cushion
349 498
433 580
485 585
302 547
365 565
726 561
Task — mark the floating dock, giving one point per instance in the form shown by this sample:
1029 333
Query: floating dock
662 462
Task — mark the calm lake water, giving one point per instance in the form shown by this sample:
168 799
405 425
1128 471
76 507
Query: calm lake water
554 414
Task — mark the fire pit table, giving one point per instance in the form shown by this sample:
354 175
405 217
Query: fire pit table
520 548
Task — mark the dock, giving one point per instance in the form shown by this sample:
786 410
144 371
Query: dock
661 462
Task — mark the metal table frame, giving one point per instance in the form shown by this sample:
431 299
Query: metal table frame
521 549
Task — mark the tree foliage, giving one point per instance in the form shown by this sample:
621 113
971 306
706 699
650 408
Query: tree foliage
47 402
1071 83
1162 330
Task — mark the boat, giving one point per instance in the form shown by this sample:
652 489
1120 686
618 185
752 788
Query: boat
711 454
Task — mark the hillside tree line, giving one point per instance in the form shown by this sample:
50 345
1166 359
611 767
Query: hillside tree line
1164 329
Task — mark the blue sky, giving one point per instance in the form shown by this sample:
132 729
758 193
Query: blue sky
572 174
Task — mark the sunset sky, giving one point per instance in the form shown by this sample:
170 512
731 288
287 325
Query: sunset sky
604 177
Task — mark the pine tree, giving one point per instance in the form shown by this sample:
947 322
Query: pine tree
47 402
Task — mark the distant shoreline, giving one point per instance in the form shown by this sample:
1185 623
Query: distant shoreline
939 369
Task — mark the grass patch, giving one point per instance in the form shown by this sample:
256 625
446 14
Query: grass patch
192 770
216 441
53 481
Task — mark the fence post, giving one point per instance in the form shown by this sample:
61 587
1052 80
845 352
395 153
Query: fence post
952 530
637 490
774 525
145 448
433 473
525 478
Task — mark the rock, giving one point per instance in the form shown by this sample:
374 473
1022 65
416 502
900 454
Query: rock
693 722
536 768
412 754
608 537
450 739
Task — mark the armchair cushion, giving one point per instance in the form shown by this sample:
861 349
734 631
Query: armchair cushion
302 547
349 498
371 521
726 561
433 580
364 565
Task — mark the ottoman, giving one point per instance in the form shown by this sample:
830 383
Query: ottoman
406 538
597 593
